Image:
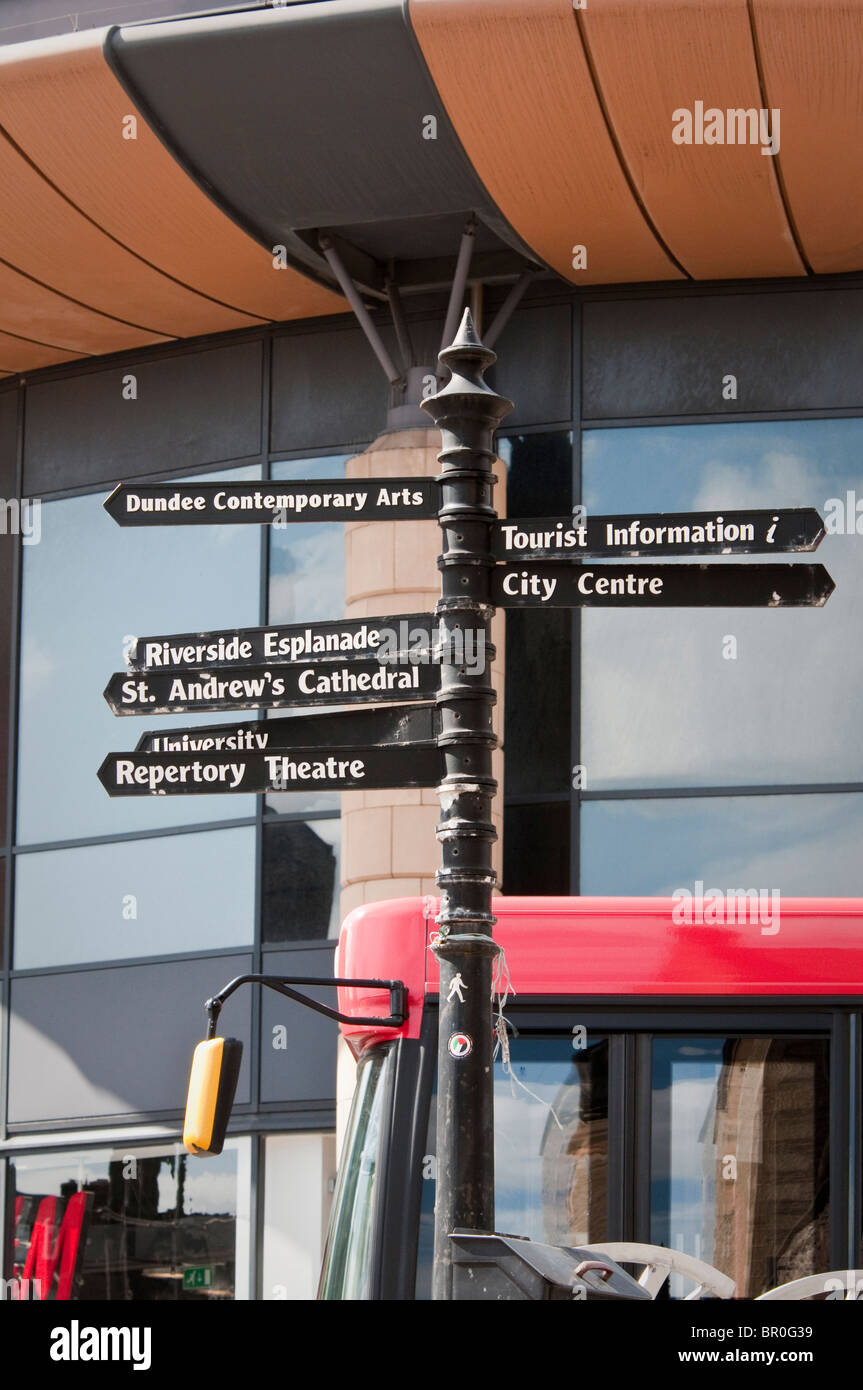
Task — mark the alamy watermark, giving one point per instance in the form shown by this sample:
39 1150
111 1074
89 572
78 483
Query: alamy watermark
21 516
755 906
732 126
463 647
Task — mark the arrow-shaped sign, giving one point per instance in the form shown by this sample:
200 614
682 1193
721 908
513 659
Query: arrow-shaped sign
666 533
405 725
346 639
278 502
538 585
257 687
185 774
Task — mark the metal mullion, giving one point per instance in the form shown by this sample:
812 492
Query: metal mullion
791 789
733 417
642 1075
319 451
620 1102
91 841
199 470
118 963
575 693
855 1198
841 1251
12 774
257 890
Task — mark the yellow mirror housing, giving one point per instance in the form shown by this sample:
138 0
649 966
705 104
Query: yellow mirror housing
212 1084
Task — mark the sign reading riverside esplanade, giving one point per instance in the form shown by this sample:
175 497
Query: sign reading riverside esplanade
377 661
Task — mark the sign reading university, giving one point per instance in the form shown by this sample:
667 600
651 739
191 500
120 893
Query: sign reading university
669 533
408 725
329 499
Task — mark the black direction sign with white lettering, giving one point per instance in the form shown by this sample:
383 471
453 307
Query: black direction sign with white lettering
660 586
258 687
178 774
667 533
405 725
276 501
347 639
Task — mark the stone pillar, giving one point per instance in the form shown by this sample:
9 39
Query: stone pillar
389 848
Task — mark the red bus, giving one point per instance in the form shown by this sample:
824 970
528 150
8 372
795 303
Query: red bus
684 1075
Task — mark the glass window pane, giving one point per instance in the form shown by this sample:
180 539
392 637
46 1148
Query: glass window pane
135 898
740 1157
88 585
664 702
307 559
307 584
346 1268
136 1224
299 1170
538 473
301 880
801 845
538 706
550 1152
536 849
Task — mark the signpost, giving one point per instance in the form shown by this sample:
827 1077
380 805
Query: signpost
440 663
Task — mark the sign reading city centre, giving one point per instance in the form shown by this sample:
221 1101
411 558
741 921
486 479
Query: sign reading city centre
549 585
379 661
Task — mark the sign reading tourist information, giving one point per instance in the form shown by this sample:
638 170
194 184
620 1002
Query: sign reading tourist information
552 585
172 774
407 725
328 499
257 687
349 639
671 533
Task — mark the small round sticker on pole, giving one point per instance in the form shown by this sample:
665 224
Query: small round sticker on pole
460 1044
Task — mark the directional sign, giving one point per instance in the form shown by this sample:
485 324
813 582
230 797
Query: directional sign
327 499
184 774
660 586
348 639
396 724
258 687
666 533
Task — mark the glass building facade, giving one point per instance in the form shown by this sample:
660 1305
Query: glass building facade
645 751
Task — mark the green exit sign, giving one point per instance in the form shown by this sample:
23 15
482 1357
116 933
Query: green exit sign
198 1278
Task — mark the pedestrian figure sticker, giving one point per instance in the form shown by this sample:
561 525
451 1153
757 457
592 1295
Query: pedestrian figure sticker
459 1045
456 988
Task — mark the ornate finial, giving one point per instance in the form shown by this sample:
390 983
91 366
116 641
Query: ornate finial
467 359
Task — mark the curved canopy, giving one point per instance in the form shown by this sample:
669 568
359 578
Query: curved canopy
167 180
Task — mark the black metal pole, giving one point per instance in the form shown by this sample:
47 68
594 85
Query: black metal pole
467 412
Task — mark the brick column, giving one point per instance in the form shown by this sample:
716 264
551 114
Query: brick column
389 848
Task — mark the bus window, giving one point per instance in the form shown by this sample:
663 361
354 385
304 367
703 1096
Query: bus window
551 1147
739 1155
346 1269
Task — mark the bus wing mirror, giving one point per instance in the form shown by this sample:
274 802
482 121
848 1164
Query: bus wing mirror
212 1084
